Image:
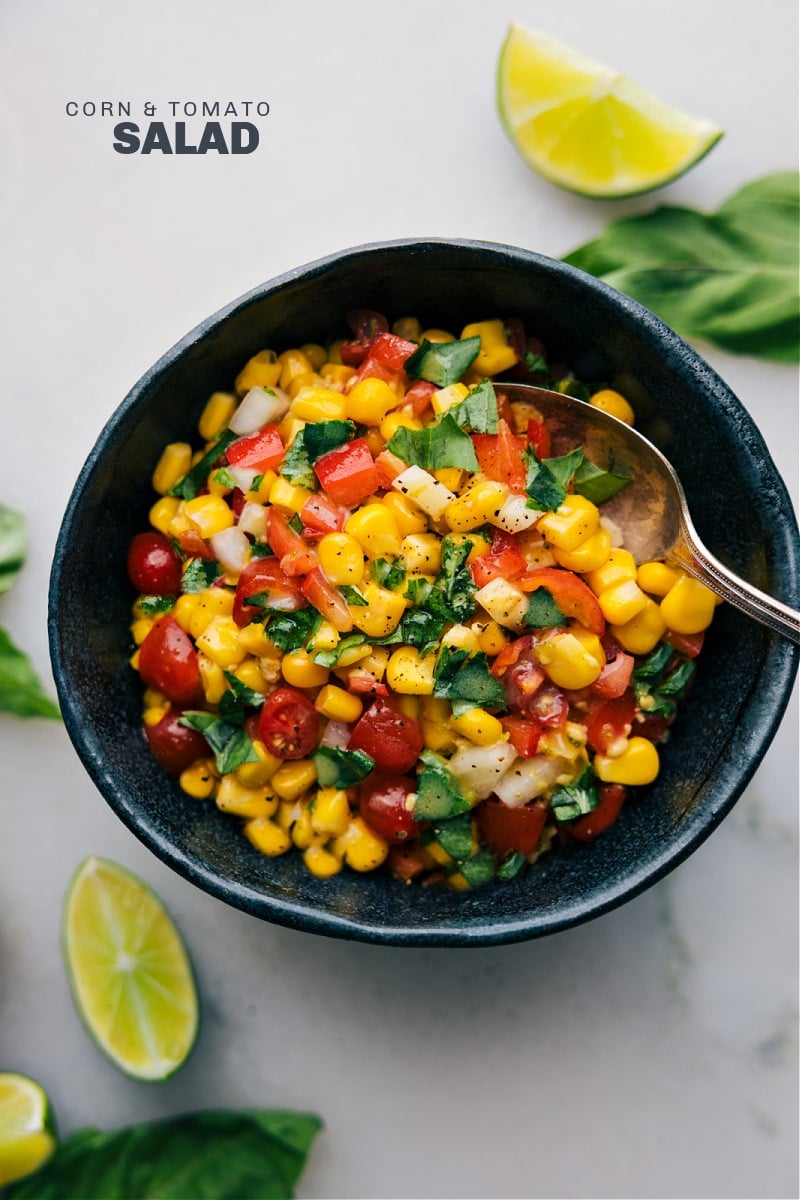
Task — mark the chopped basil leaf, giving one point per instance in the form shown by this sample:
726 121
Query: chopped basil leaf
320 437
353 596
418 589
341 768
676 682
534 362
460 675
200 573
542 486
597 484
442 444
543 612
442 363
388 574
21 692
576 799
13 545
657 697
237 699
292 630
655 662
452 595
455 835
329 658
261 550
478 410
422 630
223 477
511 866
439 794
151 606
189 486
296 465
565 466
478 870
230 744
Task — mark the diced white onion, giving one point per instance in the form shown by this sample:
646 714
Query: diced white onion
259 407
231 549
482 767
243 477
507 604
253 520
514 515
337 733
528 778
427 493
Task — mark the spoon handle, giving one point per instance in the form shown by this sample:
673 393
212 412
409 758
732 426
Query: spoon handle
699 562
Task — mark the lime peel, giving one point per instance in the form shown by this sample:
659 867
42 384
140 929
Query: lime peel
587 128
131 976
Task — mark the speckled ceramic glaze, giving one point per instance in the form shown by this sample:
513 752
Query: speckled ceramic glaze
738 502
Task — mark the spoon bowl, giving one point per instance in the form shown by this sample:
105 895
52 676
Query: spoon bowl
652 507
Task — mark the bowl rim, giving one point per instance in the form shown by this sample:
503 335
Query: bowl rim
781 660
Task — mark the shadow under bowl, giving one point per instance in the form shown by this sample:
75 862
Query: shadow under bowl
737 499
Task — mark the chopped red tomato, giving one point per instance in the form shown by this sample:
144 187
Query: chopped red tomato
265 577
524 735
419 396
386 355
574 598
500 456
507 829
389 737
295 555
610 720
348 474
389 467
586 828
262 450
615 677
511 653
406 861
288 724
175 746
320 516
383 803
689 644
503 561
327 600
194 546
539 438
168 662
549 706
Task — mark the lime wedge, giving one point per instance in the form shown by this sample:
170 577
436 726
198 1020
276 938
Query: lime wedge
26 1130
587 128
130 973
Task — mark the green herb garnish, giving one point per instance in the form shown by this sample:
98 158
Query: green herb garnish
442 363
442 444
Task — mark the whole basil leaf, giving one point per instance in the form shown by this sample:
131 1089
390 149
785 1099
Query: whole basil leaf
21 693
729 277
214 1155
13 546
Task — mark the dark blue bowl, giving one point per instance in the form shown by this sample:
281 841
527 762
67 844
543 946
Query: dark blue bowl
738 501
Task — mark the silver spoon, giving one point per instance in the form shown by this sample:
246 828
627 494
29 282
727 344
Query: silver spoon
652 508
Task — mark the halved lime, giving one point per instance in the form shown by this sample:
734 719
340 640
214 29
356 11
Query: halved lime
130 973
587 128
26 1130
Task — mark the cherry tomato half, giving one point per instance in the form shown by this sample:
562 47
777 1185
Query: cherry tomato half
610 720
506 829
168 662
586 828
393 740
264 575
154 566
175 746
288 724
382 802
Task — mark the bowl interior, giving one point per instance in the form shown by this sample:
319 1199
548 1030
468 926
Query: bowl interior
738 504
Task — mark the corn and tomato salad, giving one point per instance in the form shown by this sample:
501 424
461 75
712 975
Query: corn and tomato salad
380 624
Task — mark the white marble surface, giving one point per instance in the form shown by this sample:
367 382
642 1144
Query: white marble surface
651 1053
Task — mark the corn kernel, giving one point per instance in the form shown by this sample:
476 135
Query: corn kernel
476 505
299 669
335 375
294 778
369 401
643 632
326 638
321 862
572 523
447 397
255 774
382 613
267 837
199 780
407 516
374 528
463 638
614 404
589 555
479 544
220 641
341 558
289 428
208 604
619 565
450 477
253 640
240 801
442 739
622 601
397 420
262 370
491 639
495 354
656 578
688 606
636 766
249 673
212 678
209 514
219 409
422 552
175 461
318 404
436 336
163 512
317 355
140 629
408 673
568 662
479 726
362 849
338 705
375 662
302 383
154 713
288 495
330 811
292 363
302 832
